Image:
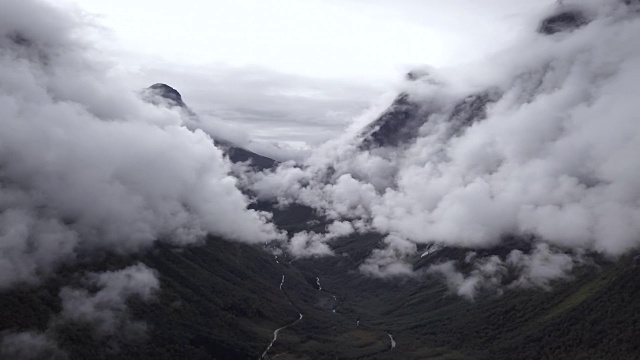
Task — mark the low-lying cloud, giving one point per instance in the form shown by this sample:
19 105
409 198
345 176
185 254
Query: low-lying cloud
309 243
30 345
537 269
100 302
552 156
105 310
86 165
391 260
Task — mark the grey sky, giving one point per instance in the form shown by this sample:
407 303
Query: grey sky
359 48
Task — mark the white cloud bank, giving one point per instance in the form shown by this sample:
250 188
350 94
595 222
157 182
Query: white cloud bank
86 165
555 156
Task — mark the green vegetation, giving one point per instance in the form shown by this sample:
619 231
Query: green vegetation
222 300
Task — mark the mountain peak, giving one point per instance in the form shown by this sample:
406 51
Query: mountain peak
567 20
168 93
163 94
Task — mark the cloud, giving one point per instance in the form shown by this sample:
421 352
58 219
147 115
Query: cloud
492 274
306 244
86 165
309 243
100 301
106 309
457 282
541 267
538 139
392 260
256 107
551 156
30 345
340 228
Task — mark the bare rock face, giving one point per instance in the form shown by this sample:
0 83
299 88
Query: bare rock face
399 125
564 21
167 93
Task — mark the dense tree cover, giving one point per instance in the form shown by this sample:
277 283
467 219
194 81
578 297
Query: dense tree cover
222 300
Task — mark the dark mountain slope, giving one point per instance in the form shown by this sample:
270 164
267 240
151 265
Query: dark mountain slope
237 154
593 316
167 93
562 21
399 125
222 300
163 94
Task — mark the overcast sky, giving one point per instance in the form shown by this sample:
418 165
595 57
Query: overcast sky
357 48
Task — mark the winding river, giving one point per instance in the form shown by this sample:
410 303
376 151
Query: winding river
275 332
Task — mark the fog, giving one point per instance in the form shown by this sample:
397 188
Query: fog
551 159
86 165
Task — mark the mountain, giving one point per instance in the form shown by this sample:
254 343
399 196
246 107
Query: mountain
166 92
412 240
563 21
223 300
163 94
399 125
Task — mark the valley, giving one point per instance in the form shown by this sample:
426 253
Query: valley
478 212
